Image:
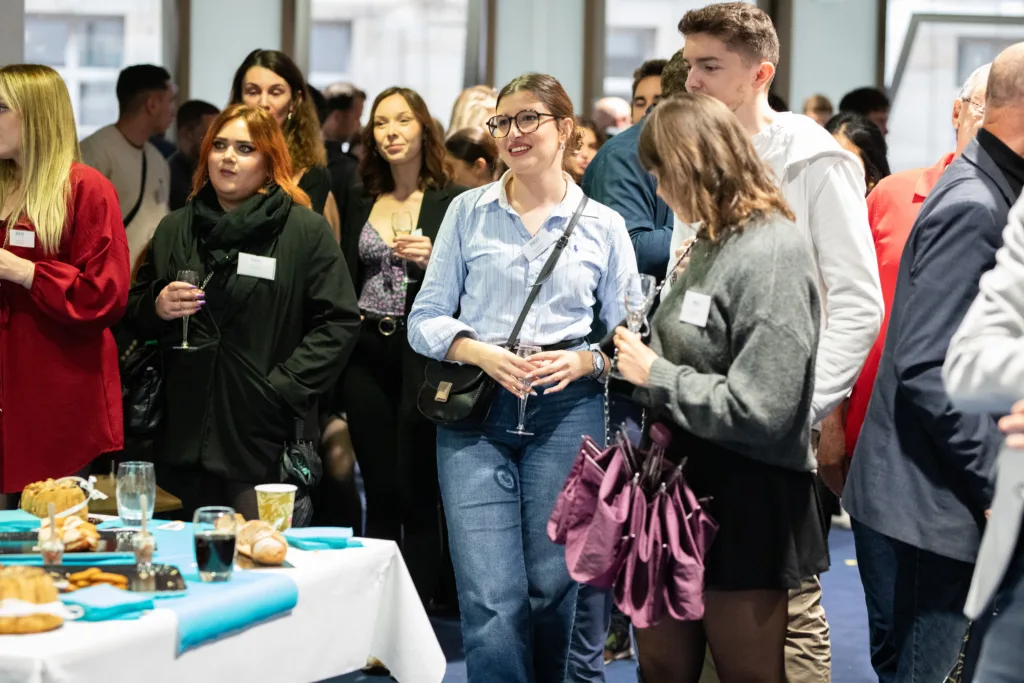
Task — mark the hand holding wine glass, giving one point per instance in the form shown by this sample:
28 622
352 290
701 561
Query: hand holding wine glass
191 279
640 292
524 351
401 225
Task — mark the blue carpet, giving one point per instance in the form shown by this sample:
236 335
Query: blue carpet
844 605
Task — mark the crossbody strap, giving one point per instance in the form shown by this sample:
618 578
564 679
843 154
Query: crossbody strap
130 216
545 273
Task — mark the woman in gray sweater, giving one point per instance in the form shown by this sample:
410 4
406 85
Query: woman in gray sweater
730 371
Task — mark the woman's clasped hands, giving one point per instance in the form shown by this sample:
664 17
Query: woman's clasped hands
544 369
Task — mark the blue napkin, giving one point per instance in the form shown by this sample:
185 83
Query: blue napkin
208 611
18 520
104 603
75 559
321 538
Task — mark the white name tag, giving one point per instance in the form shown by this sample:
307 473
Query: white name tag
262 267
696 308
23 238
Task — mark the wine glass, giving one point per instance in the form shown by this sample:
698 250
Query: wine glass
524 351
189 277
638 299
401 225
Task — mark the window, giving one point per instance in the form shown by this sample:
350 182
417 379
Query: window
88 42
420 44
331 47
638 30
97 103
932 46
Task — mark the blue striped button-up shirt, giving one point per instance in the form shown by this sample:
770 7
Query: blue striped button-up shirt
485 261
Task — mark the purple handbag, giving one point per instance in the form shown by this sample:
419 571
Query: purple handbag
637 529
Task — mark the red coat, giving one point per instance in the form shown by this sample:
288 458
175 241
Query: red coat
60 391
892 209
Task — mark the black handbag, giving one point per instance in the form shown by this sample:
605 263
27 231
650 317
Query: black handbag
142 382
455 394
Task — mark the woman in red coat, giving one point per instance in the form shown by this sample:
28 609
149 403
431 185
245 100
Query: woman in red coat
63 281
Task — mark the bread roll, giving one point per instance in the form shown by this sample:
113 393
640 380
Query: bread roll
261 543
31 585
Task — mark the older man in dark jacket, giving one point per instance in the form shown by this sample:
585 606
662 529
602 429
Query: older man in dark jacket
920 479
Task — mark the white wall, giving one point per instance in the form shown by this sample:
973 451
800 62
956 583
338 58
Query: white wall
833 48
222 33
544 36
12 32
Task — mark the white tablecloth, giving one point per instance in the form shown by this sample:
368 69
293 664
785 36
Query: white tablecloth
353 603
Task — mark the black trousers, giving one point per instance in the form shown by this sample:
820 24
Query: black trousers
197 488
396 450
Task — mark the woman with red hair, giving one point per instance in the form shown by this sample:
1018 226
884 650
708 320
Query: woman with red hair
271 323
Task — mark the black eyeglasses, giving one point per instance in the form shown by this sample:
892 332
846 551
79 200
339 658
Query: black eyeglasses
527 121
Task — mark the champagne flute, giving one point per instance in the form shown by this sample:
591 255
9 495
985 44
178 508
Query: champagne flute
524 351
190 277
401 225
638 299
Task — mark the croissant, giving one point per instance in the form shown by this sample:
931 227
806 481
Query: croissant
76 535
258 541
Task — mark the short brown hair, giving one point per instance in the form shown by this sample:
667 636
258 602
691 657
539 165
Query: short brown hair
707 166
818 104
550 92
652 67
435 168
673 78
744 28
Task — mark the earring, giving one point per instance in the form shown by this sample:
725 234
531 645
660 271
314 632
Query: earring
561 147
289 117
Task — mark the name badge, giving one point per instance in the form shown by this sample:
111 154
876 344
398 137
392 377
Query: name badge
23 238
262 267
696 308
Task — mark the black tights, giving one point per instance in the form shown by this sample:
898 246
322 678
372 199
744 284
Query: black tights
746 631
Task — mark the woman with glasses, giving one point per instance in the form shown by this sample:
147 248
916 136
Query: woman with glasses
500 478
391 220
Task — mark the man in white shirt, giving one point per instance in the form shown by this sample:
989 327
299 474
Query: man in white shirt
733 51
122 152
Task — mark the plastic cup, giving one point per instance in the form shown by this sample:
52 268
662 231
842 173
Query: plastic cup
276 503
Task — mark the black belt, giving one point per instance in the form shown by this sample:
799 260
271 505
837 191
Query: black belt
565 345
386 325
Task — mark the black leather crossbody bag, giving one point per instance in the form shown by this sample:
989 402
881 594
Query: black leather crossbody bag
455 394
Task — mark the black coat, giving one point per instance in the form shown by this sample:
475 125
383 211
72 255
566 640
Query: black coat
921 471
265 349
358 205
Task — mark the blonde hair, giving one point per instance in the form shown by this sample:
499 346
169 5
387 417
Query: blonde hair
473 108
707 167
49 145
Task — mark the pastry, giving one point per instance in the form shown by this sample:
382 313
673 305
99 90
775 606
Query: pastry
258 541
28 585
36 498
76 535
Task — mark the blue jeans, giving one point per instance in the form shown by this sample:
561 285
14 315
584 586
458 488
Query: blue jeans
515 593
1002 654
915 601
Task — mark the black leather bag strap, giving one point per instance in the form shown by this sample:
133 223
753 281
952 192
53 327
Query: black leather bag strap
545 273
142 193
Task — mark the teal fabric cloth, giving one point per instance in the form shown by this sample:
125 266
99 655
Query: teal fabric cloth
321 538
103 603
18 520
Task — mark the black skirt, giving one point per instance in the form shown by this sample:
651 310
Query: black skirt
771 528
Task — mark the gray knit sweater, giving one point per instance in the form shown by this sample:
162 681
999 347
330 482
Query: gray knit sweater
744 381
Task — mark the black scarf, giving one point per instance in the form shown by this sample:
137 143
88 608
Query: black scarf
217 236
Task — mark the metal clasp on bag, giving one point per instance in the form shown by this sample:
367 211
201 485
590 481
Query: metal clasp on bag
387 326
443 391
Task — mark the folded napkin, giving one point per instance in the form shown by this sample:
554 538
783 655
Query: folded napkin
104 603
321 538
18 520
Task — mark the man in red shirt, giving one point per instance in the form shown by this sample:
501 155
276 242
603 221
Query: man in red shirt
892 208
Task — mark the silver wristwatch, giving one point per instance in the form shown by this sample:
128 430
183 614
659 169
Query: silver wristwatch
598 364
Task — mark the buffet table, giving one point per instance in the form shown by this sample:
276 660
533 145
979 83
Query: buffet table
352 604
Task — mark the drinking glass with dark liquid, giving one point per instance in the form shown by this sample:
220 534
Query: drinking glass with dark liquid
215 529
